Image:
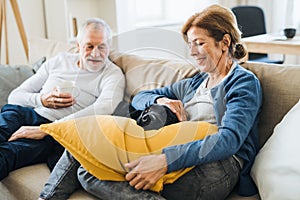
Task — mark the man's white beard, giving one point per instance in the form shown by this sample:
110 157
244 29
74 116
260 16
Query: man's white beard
94 67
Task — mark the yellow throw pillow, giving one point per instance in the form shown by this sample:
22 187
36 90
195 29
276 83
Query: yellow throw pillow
103 143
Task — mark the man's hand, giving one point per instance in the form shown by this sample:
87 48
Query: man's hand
55 99
176 106
146 171
30 132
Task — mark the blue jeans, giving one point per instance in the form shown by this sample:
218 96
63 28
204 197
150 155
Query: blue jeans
12 117
63 182
23 152
107 190
63 179
210 181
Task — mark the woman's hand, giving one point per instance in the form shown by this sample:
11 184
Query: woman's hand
146 171
55 99
29 132
176 106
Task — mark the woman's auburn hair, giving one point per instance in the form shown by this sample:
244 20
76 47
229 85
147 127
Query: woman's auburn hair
218 21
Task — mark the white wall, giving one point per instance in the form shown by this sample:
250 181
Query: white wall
51 21
59 14
55 19
33 20
115 12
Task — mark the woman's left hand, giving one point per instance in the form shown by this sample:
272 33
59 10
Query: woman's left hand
29 132
146 171
176 106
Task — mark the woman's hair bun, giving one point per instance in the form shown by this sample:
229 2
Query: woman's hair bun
240 51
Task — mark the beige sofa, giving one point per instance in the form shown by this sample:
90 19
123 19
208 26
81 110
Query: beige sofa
281 90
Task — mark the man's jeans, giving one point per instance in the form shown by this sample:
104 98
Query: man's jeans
209 181
21 152
12 117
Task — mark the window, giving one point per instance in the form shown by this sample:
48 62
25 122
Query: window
146 10
165 12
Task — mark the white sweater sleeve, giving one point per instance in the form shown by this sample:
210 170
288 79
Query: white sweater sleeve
28 93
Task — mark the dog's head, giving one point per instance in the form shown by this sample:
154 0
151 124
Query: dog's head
156 116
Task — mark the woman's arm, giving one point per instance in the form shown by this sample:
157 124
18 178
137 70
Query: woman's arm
242 102
175 91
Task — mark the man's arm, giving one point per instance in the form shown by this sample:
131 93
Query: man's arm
112 92
29 132
28 93
176 91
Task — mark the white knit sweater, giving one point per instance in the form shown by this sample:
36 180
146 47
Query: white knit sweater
100 92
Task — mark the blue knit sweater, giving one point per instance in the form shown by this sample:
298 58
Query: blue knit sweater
237 102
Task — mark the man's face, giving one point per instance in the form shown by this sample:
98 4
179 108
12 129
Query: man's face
93 49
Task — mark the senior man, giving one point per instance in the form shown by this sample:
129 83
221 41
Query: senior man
38 100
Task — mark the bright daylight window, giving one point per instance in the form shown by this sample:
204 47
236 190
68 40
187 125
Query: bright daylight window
146 10
165 12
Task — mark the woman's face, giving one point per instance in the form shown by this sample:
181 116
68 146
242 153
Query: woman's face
93 49
204 49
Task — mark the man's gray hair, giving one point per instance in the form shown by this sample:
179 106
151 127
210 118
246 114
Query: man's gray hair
98 24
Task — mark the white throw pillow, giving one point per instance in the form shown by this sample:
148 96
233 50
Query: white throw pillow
276 170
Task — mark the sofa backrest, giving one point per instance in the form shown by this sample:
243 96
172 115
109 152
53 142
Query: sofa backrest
145 73
10 78
281 91
280 83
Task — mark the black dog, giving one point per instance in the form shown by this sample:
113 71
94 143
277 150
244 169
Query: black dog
153 117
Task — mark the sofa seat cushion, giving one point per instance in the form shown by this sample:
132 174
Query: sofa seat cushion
28 182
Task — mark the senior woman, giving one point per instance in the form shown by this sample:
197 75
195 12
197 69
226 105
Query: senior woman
223 93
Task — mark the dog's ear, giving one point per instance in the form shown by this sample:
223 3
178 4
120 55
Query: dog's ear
125 109
122 109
